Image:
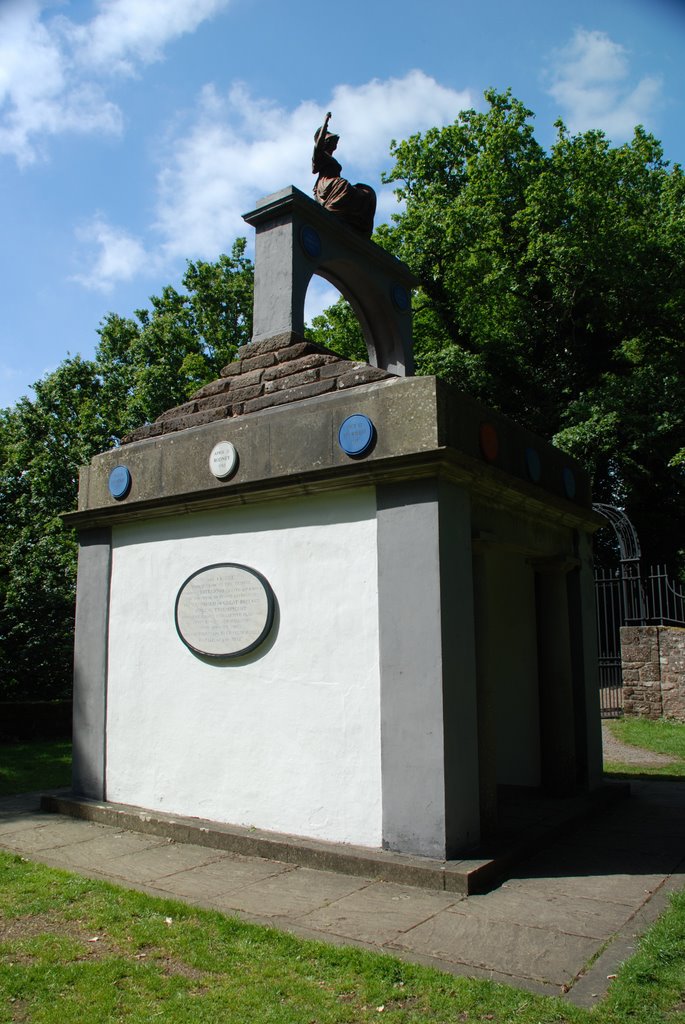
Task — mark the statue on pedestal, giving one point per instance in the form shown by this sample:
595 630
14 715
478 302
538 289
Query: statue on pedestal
353 204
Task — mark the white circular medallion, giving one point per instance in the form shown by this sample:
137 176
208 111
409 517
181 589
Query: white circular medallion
223 460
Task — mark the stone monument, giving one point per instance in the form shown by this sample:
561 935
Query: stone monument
329 599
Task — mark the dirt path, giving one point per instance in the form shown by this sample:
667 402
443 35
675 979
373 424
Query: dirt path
614 750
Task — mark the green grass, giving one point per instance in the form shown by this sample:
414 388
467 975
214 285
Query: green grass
74 949
660 736
25 767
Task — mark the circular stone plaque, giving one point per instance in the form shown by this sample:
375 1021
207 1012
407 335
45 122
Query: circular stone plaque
223 460
224 610
119 482
356 435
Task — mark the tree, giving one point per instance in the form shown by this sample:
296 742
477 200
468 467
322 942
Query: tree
142 367
552 289
42 444
338 329
156 361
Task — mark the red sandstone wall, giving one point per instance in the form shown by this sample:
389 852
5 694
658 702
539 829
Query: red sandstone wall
653 665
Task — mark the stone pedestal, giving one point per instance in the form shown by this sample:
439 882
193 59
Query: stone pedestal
307 597
398 685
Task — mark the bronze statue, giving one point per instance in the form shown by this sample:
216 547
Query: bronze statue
353 204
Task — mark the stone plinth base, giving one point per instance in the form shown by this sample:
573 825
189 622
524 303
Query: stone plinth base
432 635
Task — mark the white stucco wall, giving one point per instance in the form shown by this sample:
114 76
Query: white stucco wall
286 738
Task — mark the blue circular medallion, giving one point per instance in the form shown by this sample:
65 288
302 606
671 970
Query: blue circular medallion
310 241
400 298
533 465
356 435
119 482
569 482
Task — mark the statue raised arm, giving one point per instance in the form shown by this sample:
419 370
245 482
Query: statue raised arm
353 204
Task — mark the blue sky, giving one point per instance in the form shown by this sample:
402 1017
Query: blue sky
134 133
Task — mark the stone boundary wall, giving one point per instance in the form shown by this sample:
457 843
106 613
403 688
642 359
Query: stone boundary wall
653 666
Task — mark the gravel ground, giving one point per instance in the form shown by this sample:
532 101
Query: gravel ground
616 751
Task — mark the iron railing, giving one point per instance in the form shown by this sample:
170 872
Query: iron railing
664 598
622 598
610 603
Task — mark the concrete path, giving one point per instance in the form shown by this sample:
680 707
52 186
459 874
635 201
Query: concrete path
599 887
623 753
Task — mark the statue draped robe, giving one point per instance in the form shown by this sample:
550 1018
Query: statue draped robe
353 204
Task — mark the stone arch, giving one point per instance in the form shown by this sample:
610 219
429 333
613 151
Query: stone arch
296 239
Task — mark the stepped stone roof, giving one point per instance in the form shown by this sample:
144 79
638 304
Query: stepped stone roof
276 371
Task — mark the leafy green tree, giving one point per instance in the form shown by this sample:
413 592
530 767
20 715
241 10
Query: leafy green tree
142 367
42 444
338 329
552 289
156 361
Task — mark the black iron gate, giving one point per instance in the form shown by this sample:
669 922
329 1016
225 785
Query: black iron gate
619 602
610 615
622 599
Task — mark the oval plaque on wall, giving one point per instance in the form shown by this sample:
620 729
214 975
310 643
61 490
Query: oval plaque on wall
224 610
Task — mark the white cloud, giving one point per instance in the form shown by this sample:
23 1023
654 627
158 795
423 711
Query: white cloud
369 116
114 255
593 86
126 32
52 70
238 149
37 97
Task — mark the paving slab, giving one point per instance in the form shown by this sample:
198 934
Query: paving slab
157 862
379 913
290 895
627 839
22 821
592 918
230 873
100 853
512 948
592 892
625 890
638 821
22 802
23 811
593 983
50 835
